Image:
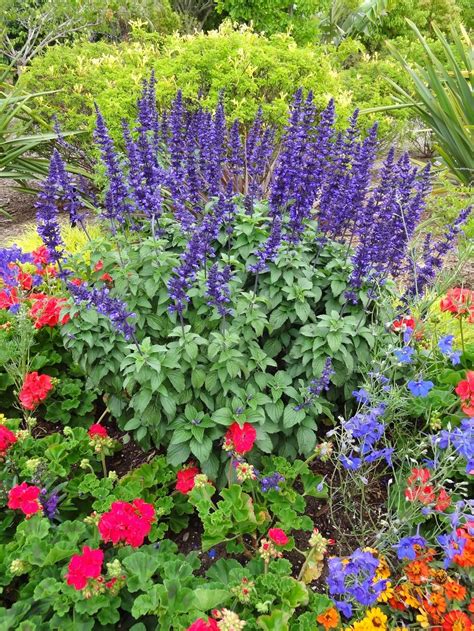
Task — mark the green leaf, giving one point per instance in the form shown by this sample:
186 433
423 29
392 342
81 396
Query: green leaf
140 568
202 450
334 341
276 621
198 377
206 599
177 454
306 439
292 417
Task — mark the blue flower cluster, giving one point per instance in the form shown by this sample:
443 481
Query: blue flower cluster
9 256
354 579
461 439
113 308
365 430
271 482
445 345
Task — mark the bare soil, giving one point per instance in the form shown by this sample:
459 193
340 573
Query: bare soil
20 211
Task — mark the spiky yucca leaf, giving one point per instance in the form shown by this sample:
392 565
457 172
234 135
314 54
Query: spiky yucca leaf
443 98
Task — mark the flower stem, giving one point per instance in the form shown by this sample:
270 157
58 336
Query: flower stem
104 466
461 332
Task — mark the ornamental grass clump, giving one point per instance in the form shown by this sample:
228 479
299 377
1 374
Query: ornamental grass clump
240 270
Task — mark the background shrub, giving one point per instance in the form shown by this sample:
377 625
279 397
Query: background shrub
251 69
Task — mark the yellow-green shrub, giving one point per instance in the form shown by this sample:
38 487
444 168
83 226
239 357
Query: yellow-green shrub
251 69
74 238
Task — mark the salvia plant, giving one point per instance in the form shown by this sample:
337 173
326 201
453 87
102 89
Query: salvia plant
238 270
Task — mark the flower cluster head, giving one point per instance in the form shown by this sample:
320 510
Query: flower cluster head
185 479
324 450
268 550
84 567
354 578
243 591
245 471
46 311
419 489
25 497
465 391
228 620
99 438
127 522
7 439
35 389
461 439
459 302
319 543
240 439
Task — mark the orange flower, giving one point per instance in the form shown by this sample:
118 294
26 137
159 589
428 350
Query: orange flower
457 621
454 590
438 601
470 607
417 572
466 558
329 619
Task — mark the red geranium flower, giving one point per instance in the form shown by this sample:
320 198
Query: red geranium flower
97 430
419 476
457 621
46 312
98 266
107 278
240 439
402 324
443 501
34 390
126 522
76 281
459 302
40 255
185 479
25 498
202 625
49 270
84 566
7 439
465 391
8 298
278 536
25 281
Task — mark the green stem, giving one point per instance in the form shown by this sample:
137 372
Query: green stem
305 564
104 466
461 332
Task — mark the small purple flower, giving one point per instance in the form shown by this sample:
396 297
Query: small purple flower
271 482
406 547
351 463
404 355
361 396
420 388
100 300
445 345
